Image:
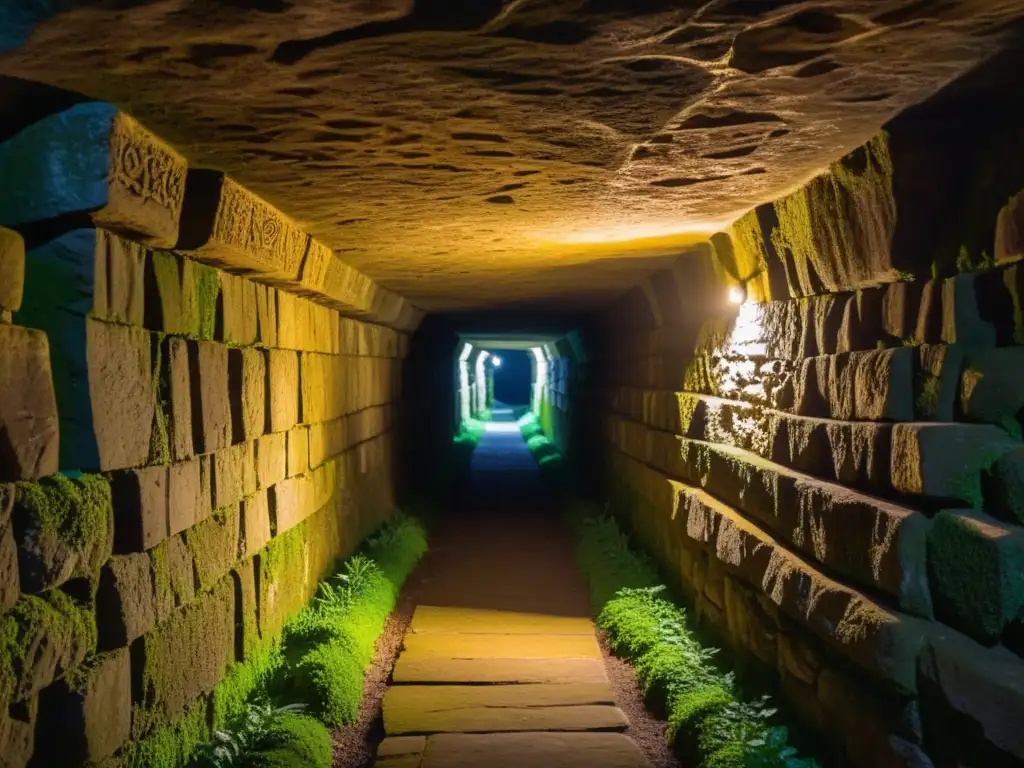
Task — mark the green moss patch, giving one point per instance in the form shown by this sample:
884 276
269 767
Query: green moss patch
64 529
293 741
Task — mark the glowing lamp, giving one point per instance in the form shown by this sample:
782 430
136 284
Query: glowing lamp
497 361
737 295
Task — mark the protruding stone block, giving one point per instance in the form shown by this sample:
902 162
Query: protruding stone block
237 316
271 459
298 451
945 461
283 389
140 508
1009 239
938 380
266 315
234 474
29 445
12 269
961 318
64 529
181 296
93 706
126 606
54 635
214 544
93 159
255 526
189 494
17 732
226 224
177 395
291 502
187 655
992 385
247 377
1004 486
976 565
210 395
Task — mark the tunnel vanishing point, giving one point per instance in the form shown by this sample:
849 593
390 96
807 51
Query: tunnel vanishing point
760 262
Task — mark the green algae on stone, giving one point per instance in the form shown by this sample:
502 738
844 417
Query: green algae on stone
41 638
294 741
976 568
207 290
170 746
214 545
64 529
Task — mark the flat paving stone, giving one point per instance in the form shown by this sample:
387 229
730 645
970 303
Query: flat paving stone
514 750
495 708
499 671
473 646
430 618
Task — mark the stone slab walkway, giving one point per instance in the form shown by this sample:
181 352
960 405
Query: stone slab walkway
501 666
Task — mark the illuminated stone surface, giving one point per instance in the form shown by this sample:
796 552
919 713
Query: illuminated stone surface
444 151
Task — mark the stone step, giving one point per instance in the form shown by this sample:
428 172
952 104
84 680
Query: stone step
456 645
875 543
431 619
512 750
498 671
419 709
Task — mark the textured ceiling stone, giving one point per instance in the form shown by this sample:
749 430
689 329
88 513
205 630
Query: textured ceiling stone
470 153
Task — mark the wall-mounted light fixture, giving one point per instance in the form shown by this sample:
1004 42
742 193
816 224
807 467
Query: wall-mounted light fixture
497 361
737 294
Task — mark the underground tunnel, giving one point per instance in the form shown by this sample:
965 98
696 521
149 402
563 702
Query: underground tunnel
440 384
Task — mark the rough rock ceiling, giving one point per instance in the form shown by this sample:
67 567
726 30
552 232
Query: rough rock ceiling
488 152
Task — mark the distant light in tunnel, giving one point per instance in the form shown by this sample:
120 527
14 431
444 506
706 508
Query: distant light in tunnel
497 361
502 426
737 295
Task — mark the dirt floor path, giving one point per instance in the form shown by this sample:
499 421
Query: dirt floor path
501 665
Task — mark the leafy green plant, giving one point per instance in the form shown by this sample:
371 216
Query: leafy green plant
233 746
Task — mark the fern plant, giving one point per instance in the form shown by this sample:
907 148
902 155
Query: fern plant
230 747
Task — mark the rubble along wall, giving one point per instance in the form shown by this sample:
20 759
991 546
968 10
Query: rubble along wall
198 418
830 472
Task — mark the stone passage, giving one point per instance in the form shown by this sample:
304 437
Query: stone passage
501 666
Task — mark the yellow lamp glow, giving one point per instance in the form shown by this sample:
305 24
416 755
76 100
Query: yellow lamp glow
737 295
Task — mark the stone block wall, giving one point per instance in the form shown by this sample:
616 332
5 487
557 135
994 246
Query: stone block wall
185 451
829 472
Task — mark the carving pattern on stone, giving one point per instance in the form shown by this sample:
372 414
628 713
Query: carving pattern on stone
144 166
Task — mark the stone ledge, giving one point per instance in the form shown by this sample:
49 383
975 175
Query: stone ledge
98 163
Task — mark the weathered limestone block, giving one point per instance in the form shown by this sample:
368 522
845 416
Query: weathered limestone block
286 578
181 296
126 606
189 494
64 529
328 439
1009 240
875 543
174 576
87 273
234 474
247 376
282 389
237 316
291 502
106 395
214 545
298 451
29 445
876 385
210 395
900 307
985 685
883 643
749 626
93 707
226 224
12 270
938 381
176 390
1004 486
929 314
961 319
266 315
255 524
992 385
976 565
187 655
17 733
271 459
51 635
93 159
945 461
325 275
875 728
140 508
